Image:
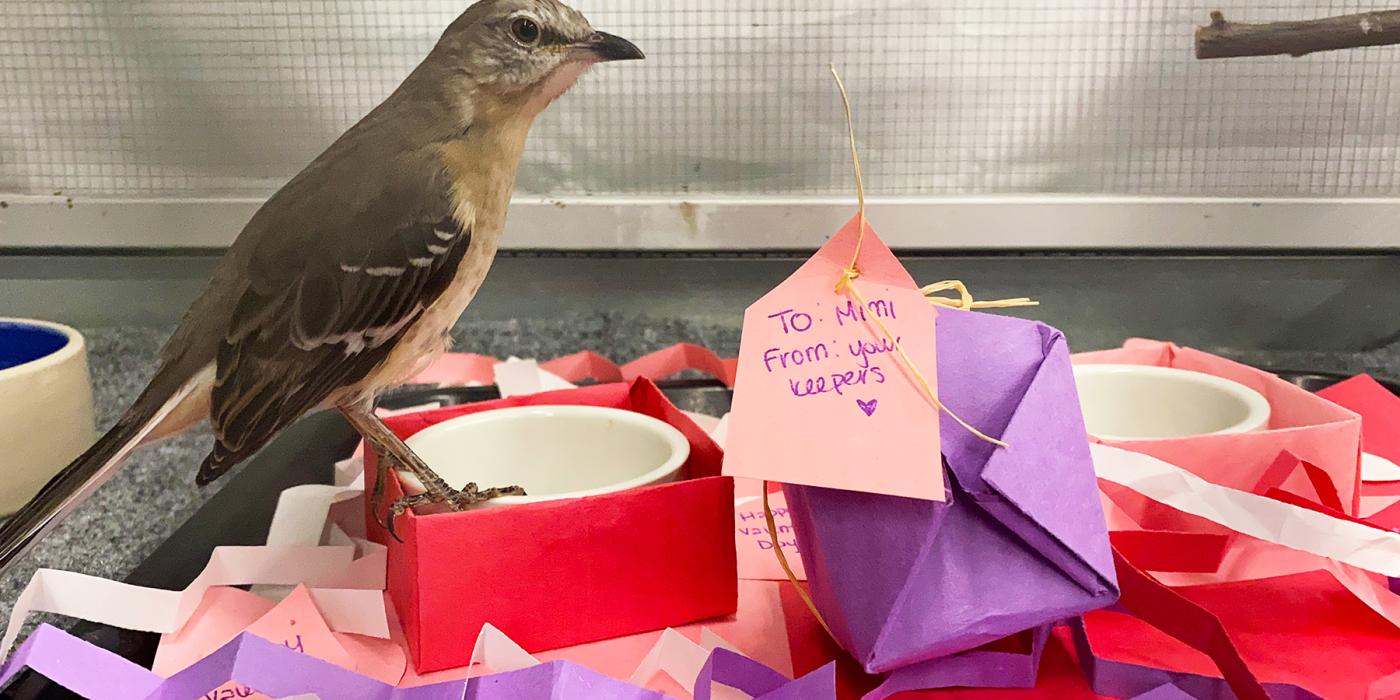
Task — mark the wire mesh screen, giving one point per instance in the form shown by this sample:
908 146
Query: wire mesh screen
171 98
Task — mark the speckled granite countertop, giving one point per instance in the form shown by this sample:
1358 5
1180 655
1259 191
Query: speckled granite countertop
155 493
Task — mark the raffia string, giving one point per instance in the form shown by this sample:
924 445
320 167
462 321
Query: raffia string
783 562
846 285
965 300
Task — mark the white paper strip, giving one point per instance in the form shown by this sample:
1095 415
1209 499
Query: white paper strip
498 653
721 430
157 610
1348 542
1378 468
517 377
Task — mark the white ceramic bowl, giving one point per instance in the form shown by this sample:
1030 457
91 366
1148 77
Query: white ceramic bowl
46 416
552 451
1136 402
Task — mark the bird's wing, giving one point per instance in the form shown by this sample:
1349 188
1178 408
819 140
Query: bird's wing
323 319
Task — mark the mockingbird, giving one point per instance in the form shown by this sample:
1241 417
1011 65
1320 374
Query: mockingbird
347 281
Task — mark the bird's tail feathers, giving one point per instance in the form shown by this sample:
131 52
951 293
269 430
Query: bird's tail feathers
71 486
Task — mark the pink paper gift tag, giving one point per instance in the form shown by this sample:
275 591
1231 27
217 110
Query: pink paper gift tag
821 396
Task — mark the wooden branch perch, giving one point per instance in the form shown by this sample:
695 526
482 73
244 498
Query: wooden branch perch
1222 39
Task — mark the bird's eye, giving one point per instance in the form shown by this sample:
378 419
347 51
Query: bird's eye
526 31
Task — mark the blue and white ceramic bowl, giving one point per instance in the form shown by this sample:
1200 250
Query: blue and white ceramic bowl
46 416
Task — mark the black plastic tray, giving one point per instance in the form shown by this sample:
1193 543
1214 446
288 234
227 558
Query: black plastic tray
241 512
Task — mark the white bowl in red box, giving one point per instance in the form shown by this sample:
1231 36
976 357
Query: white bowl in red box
1140 402
554 452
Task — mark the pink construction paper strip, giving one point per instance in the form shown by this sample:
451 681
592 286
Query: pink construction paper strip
680 357
458 368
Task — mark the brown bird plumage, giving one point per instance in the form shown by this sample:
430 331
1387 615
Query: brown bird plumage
349 278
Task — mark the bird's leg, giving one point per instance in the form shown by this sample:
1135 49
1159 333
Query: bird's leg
436 490
376 497
378 436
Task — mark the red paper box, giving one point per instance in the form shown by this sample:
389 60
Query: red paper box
560 573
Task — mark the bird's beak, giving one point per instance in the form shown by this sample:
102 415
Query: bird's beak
610 47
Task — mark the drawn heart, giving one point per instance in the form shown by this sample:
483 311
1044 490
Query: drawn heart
868 406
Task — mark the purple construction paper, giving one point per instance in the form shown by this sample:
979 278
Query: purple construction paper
760 682
817 685
556 680
75 664
1166 691
969 669
275 670
1020 542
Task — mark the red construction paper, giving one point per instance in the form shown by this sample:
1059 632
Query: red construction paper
1156 550
1180 618
1389 518
1379 409
582 366
1323 488
627 562
1305 629
677 358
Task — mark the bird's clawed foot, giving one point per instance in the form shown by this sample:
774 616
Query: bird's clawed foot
471 495
392 452
398 507
455 499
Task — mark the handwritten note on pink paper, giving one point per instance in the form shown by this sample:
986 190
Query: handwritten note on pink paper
295 623
821 396
751 539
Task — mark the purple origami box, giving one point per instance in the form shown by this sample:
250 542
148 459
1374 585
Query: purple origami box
1021 539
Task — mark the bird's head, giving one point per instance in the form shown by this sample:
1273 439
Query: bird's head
519 55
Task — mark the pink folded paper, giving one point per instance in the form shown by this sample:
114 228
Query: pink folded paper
1312 428
584 365
758 629
458 368
296 623
682 356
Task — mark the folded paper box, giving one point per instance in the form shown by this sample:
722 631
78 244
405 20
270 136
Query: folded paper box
1020 541
1308 426
559 573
